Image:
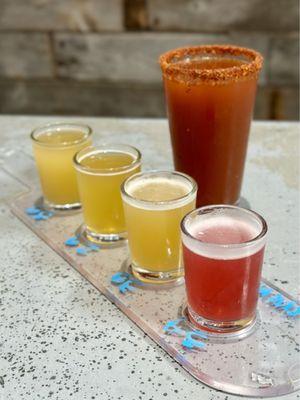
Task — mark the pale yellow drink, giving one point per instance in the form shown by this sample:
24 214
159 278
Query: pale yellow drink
154 205
100 173
54 147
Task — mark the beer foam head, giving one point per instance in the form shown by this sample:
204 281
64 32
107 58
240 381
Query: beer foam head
107 159
223 233
163 190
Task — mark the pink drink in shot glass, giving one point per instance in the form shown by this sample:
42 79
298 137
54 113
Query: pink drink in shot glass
223 249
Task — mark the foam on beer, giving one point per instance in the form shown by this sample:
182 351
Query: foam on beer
221 236
159 192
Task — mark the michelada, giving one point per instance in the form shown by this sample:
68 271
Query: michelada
210 93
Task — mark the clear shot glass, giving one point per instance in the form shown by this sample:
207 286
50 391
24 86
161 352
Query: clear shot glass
223 250
154 204
100 173
54 146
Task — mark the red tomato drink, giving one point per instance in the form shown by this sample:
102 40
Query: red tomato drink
210 94
223 250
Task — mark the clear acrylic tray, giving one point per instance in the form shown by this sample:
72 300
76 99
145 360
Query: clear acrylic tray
266 363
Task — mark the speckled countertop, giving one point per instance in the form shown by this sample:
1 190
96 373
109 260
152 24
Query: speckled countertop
59 337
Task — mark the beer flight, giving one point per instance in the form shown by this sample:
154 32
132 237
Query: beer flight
218 247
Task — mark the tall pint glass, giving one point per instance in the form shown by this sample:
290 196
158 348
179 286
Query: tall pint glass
210 94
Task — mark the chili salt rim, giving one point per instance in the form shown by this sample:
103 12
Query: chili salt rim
180 73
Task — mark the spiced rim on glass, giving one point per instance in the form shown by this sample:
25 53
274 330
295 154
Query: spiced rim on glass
210 93
223 249
176 63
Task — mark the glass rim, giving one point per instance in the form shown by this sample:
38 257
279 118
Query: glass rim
162 203
106 148
173 71
55 126
261 235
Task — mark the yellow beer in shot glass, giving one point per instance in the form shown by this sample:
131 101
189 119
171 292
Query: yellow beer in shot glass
100 172
154 205
54 147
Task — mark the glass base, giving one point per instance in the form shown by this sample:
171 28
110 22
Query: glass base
237 203
220 331
44 204
86 236
243 202
157 277
240 202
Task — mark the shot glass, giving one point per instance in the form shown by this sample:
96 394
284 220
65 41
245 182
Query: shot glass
154 204
100 173
54 146
210 94
223 250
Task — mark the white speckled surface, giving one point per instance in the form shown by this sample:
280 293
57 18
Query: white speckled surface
59 337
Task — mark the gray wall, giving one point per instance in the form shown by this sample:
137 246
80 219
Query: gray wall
99 57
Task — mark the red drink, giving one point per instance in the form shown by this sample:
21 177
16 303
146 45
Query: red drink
223 255
210 94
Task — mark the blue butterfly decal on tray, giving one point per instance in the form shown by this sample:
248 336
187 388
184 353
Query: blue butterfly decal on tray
278 301
38 214
125 281
83 249
192 339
